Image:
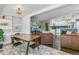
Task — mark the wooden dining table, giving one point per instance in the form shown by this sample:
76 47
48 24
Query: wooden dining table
27 38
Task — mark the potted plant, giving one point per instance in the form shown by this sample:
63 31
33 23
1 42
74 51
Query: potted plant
1 38
1 44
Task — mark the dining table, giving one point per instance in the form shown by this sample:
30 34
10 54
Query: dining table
27 38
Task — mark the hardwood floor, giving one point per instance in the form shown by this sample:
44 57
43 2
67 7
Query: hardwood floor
70 51
73 52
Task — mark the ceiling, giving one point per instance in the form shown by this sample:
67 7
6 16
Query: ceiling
1 8
10 9
58 12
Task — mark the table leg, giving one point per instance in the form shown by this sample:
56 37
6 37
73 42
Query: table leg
27 48
12 41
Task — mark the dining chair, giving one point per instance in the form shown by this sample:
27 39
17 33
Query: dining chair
16 42
35 43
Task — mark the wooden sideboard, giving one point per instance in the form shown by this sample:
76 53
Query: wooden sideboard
47 38
70 41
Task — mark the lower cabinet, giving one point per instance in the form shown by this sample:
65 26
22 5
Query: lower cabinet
47 38
70 41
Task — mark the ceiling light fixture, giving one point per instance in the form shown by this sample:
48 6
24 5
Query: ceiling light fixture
19 9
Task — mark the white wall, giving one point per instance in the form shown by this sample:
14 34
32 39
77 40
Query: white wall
25 29
26 25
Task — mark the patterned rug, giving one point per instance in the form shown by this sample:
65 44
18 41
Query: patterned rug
20 50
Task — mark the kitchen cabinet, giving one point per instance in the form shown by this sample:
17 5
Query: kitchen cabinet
70 41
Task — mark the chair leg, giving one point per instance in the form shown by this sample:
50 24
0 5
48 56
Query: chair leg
12 49
24 45
38 47
27 47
